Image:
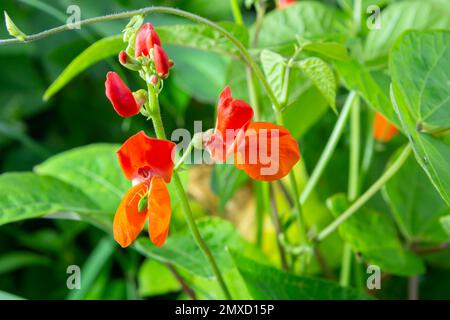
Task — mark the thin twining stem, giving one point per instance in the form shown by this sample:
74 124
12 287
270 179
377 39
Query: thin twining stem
277 225
147 10
329 148
367 195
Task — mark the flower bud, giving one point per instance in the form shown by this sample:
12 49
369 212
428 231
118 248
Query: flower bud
140 97
146 38
161 60
120 96
281 4
153 80
129 62
123 56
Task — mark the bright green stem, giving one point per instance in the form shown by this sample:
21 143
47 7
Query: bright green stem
253 89
147 10
184 156
160 133
353 183
367 195
368 147
329 148
236 12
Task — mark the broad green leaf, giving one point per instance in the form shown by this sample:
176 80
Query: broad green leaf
267 283
27 195
203 37
321 75
9 296
98 51
274 67
415 203
402 16
154 279
308 19
332 50
374 236
445 221
421 95
373 86
93 169
309 107
225 181
182 251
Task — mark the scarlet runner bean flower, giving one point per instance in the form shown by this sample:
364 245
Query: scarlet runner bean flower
146 38
383 130
149 164
265 151
281 4
121 96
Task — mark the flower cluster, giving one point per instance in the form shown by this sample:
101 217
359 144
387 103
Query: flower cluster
263 150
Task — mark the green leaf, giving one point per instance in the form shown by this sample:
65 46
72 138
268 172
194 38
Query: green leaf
27 195
332 50
15 260
203 37
96 52
310 107
156 279
274 67
267 283
373 86
416 205
321 76
421 95
13 30
225 181
9 296
93 169
374 236
182 251
308 19
402 16
445 221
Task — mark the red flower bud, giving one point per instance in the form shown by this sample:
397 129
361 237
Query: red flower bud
123 56
120 96
161 59
146 38
281 4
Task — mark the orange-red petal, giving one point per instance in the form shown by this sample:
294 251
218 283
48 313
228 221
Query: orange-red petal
159 211
383 130
268 152
233 118
120 96
154 155
128 221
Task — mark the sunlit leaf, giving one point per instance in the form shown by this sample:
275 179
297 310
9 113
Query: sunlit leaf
274 67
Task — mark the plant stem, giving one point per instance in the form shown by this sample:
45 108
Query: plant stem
368 149
160 133
367 195
277 225
147 10
329 148
236 12
413 288
353 182
184 286
184 156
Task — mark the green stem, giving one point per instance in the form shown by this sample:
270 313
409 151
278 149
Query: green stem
184 156
160 133
353 182
329 148
253 89
368 149
147 10
367 195
236 12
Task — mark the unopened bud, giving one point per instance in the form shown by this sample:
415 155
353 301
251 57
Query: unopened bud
153 79
140 96
128 62
13 30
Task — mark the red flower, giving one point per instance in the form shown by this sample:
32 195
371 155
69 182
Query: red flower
123 57
161 59
148 162
383 130
281 4
120 96
146 38
263 150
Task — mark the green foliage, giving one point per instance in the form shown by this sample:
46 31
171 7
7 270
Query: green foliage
373 235
416 205
265 283
274 67
225 181
420 94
